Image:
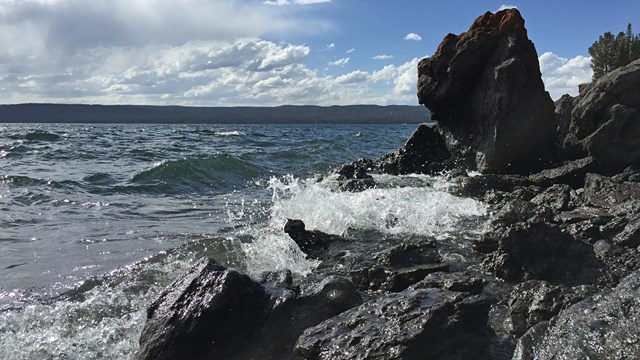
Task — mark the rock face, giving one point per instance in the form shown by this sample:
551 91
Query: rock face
604 120
414 324
601 327
484 89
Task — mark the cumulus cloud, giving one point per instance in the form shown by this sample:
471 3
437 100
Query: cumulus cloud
122 52
505 7
413 36
382 57
295 2
340 62
562 76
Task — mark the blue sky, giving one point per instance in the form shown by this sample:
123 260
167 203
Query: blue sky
267 52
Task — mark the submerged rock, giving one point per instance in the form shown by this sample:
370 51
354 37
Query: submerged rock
484 89
413 324
603 326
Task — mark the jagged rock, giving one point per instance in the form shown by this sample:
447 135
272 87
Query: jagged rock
400 266
538 250
477 186
211 312
413 324
603 326
556 198
423 153
571 173
602 191
313 243
605 122
484 89
354 176
534 301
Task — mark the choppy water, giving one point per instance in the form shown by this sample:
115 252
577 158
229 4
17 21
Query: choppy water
95 220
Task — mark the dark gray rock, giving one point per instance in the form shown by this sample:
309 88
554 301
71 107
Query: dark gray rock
457 281
538 250
211 312
604 326
571 173
423 153
313 243
557 198
534 301
605 122
484 89
413 324
477 186
602 191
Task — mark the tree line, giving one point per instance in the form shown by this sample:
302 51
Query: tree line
611 52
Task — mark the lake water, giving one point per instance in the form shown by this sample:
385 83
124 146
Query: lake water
96 219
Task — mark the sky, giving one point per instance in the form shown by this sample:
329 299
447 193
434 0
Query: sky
268 52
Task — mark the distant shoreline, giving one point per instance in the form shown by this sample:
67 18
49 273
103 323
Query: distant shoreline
148 114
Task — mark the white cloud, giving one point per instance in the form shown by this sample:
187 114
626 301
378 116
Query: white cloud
562 76
353 77
340 62
328 47
382 57
142 52
413 36
351 50
295 2
505 7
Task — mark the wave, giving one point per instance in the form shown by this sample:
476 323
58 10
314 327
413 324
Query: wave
223 133
36 135
197 174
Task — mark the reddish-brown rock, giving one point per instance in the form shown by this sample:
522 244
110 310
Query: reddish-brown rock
484 89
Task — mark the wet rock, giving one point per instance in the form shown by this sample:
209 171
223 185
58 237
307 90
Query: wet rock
313 243
211 312
458 281
605 122
484 89
538 250
423 153
399 267
534 301
477 186
603 326
413 324
354 177
571 173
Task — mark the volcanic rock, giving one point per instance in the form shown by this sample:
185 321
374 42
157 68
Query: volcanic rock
605 121
603 326
423 153
413 324
484 89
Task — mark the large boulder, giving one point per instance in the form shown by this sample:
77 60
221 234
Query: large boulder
605 119
484 89
210 312
604 326
423 153
413 324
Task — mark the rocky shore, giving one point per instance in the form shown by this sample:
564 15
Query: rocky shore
555 274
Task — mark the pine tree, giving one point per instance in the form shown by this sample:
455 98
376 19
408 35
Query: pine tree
611 52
